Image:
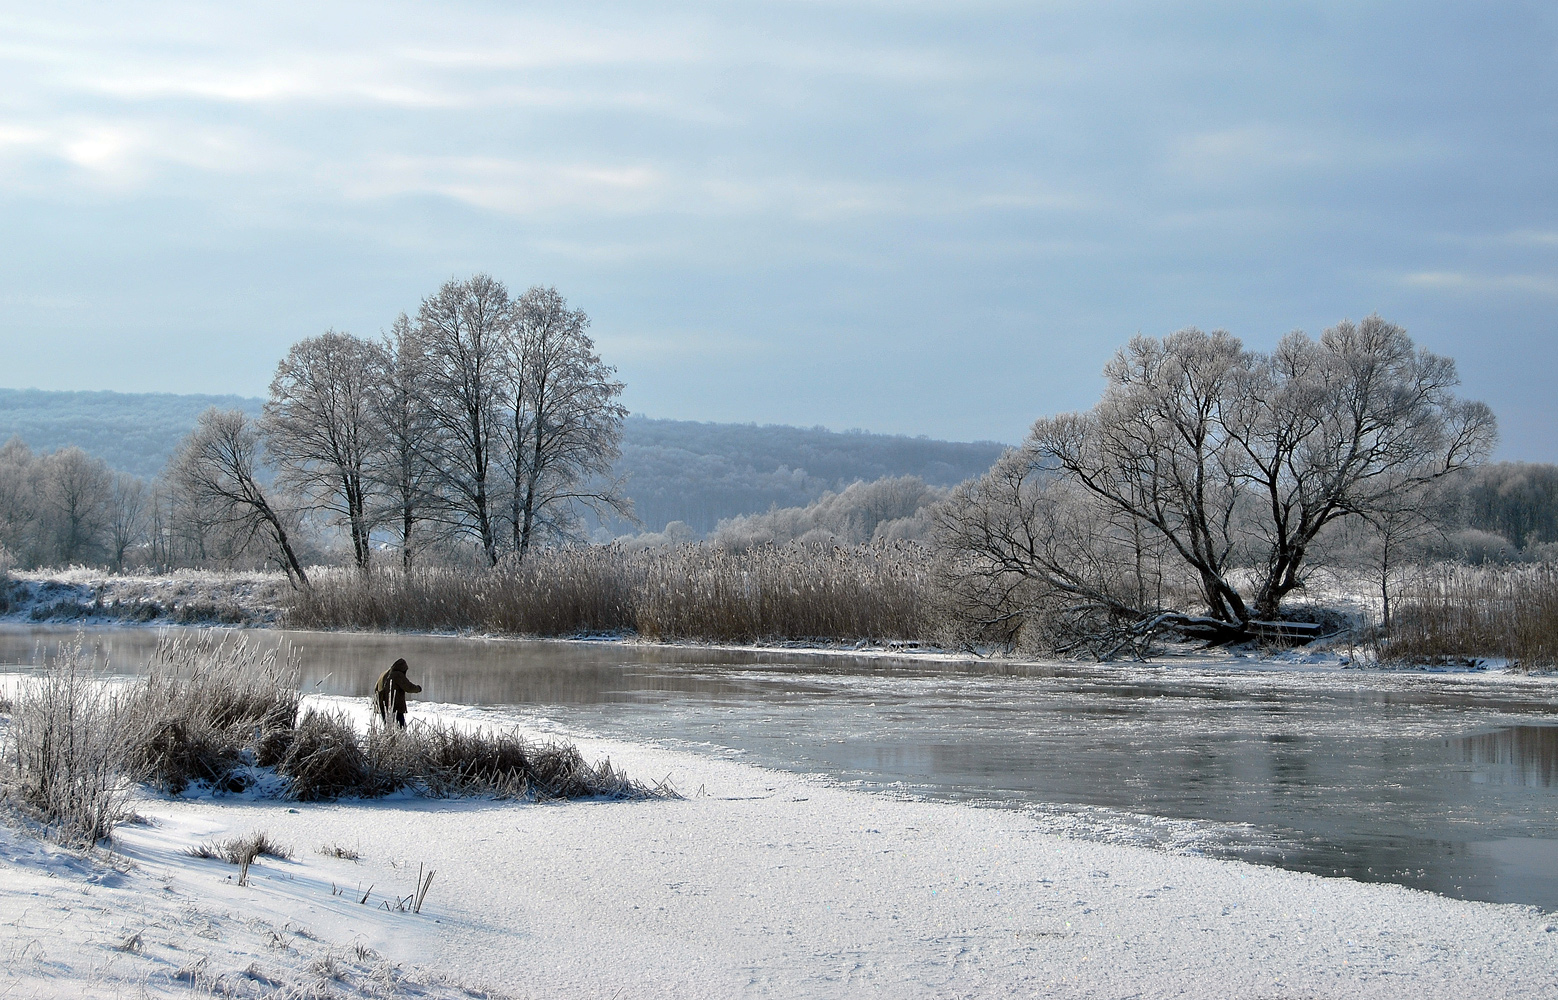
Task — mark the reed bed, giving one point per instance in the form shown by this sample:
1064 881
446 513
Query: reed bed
1453 612
688 592
218 711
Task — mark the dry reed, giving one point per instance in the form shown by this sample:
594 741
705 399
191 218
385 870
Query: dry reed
700 592
207 705
1453 612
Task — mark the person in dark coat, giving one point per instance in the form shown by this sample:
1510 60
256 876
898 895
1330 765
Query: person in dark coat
390 692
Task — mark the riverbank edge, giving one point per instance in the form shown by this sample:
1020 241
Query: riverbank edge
206 599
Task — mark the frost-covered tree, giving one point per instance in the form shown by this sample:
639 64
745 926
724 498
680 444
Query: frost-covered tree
128 508
75 493
466 331
216 471
403 468
1235 460
18 498
562 421
323 431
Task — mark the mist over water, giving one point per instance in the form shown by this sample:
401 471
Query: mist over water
1441 782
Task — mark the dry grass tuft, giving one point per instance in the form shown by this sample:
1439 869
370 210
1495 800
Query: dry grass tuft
337 851
242 850
325 760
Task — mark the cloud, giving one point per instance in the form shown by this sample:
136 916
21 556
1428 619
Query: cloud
1030 181
1484 284
511 186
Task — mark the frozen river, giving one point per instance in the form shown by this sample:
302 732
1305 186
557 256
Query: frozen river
1442 782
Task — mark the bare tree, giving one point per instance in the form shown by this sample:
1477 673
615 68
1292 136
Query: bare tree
403 468
75 491
1156 449
1357 423
466 330
216 469
563 423
321 428
1034 560
127 515
18 497
1230 459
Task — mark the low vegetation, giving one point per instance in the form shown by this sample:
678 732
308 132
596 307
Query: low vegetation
813 592
242 850
216 711
1453 613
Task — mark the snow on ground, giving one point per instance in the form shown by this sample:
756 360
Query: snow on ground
85 595
756 884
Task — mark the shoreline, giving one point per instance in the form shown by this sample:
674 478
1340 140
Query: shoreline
1294 661
762 883
78 612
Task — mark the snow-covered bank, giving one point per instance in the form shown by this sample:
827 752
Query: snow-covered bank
757 884
86 596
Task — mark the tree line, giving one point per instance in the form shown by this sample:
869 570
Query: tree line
484 416
1199 495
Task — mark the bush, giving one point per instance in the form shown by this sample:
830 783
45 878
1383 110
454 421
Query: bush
324 760
207 706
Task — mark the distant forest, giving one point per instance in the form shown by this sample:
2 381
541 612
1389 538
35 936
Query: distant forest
697 473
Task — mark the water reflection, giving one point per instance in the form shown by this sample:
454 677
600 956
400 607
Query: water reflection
1443 783
1523 755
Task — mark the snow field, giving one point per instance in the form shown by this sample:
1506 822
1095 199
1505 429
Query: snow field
757 884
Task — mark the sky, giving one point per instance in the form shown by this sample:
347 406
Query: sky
909 217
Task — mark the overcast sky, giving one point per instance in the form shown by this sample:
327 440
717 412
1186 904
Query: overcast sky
929 218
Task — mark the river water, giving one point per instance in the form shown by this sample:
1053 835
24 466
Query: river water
1445 782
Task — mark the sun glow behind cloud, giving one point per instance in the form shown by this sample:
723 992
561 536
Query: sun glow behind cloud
921 217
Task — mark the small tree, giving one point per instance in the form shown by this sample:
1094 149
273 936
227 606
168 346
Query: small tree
127 515
217 470
321 428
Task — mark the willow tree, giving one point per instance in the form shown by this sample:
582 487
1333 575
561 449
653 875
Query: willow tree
1233 462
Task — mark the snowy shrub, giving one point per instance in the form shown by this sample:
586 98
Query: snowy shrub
207 705
324 760
63 758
